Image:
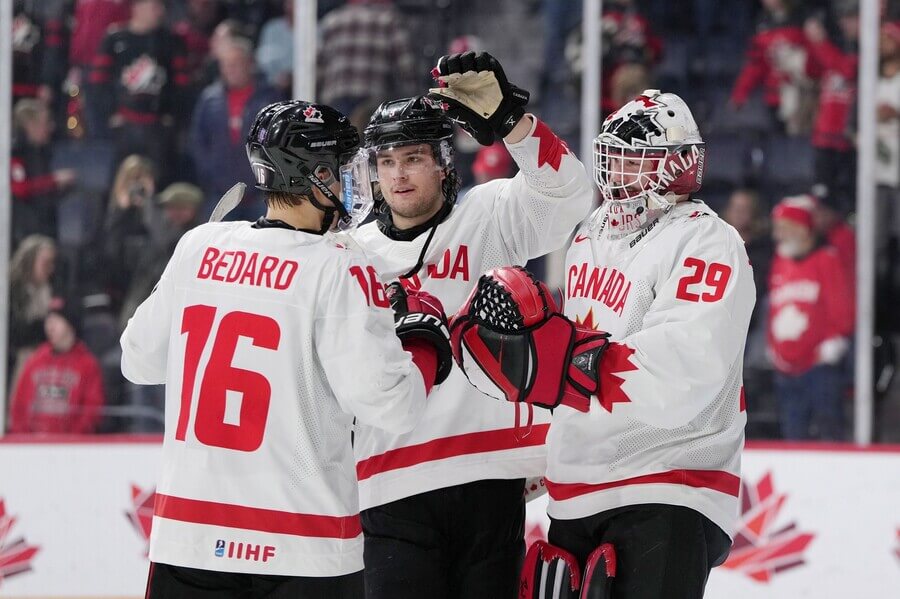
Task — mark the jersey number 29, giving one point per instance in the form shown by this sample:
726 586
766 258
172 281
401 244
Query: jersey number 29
219 377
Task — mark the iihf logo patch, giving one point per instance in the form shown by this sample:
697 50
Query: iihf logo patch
220 547
313 115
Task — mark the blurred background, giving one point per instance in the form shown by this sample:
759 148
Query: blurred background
125 122
128 121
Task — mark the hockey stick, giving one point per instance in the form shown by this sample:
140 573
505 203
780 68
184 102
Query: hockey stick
228 202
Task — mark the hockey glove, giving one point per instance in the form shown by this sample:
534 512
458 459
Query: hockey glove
478 96
512 343
420 316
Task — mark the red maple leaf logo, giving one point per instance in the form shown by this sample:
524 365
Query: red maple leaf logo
759 551
550 147
615 362
647 101
15 554
588 322
141 514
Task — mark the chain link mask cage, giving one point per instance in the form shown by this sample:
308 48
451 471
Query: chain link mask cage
624 172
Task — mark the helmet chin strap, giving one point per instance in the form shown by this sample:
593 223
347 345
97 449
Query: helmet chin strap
331 215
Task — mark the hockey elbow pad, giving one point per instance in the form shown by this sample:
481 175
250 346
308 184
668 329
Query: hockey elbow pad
420 315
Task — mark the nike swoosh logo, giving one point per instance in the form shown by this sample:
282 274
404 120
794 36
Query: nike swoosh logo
580 238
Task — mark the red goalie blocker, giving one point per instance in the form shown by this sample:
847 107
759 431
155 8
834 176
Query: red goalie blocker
512 343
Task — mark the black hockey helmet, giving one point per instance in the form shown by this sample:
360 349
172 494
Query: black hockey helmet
291 142
408 121
415 120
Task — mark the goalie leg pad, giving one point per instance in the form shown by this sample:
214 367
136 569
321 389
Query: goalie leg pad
599 572
549 572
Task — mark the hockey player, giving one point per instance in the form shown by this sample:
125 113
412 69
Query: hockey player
270 338
644 370
443 504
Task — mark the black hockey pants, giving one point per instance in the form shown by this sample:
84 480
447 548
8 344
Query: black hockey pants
661 550
463 541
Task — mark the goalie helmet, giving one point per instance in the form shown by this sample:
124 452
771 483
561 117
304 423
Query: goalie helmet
413 121
648 153
294 146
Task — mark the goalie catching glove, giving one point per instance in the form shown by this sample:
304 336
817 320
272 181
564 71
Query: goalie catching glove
512 343
477 95
419 317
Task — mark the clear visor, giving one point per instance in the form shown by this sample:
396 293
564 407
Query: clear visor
356 191
623 172
397 161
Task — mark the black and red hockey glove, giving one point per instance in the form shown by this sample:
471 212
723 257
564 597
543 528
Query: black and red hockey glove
419 317
512 343
477 95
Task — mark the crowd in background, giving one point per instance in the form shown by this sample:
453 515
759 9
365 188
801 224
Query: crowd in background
129 122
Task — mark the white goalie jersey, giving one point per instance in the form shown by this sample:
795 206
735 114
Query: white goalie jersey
270 341
668 425
465 436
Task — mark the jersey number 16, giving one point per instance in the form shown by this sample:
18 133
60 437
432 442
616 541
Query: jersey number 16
219 377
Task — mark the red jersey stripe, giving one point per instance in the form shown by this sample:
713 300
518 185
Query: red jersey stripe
449 447
717 480
251 518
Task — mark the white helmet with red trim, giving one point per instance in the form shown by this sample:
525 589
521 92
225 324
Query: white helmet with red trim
648 153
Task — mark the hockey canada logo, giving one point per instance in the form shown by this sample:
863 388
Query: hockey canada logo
760 551
144 76
141 514
15 553
312 115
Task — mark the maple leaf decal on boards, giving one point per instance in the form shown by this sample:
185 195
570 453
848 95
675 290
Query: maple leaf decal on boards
141 514
15 554
759 551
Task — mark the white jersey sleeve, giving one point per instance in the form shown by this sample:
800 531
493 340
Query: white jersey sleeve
693 332
537 210
372 377
145 341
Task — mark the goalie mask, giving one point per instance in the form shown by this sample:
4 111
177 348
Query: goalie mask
409 135
296 146
648 153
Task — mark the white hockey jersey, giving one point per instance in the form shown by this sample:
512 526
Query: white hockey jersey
464 436
668 425
269 341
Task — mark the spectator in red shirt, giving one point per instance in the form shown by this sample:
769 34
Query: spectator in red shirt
776 59
810 322
60 389
835 67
